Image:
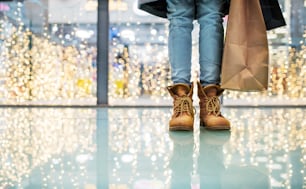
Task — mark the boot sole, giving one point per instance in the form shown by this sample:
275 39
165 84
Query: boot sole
180 128
218 127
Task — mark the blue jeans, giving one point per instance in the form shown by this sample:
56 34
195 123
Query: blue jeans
208 13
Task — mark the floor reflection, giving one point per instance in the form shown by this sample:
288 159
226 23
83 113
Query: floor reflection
131 148
42 148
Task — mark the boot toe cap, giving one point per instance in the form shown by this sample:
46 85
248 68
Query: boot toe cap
183 122
216 123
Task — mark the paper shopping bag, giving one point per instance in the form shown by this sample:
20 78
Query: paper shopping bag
245 56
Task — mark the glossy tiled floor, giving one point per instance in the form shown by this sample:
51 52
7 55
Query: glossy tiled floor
121 148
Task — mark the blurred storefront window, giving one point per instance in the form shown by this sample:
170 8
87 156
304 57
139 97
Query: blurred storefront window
48 53
139 69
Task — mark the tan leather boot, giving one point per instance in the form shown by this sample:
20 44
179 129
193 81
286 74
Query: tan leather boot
183 111
210 115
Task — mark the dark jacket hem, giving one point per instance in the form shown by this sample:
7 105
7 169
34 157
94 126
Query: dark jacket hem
155 9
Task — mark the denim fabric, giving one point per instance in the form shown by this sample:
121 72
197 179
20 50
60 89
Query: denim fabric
181 14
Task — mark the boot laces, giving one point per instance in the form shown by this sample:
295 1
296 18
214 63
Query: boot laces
213 106
183 105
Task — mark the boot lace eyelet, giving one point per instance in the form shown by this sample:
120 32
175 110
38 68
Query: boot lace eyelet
183 105
213 106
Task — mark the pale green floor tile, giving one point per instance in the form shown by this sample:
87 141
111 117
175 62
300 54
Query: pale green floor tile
131 148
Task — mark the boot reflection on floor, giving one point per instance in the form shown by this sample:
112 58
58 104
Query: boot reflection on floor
211 165
181 159
188 149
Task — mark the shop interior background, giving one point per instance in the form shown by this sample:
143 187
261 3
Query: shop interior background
49 49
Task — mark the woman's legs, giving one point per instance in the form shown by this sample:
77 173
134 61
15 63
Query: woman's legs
209 16
181 16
